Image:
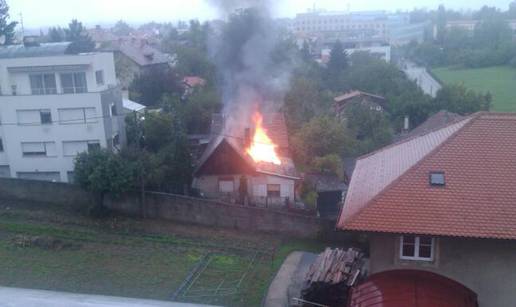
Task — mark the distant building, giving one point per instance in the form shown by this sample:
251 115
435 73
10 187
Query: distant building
54 105
371 101
469 25
379 52
135 56
357 29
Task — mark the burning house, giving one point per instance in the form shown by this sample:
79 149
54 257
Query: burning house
251 167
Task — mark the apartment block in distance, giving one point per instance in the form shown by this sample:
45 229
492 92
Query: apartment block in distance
54 105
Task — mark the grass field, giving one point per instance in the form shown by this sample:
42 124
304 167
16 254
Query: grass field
134 258
500 81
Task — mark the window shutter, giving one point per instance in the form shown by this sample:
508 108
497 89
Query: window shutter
28 117
51 149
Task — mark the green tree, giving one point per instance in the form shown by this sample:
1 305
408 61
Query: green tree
303 101
329 164
6 28
163 157
336 68
441 24
198 108
56 34
75 31
149 87
122 28
321 136
458 99
79 38
371 128
102 172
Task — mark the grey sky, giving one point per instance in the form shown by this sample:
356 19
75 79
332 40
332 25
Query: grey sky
38 13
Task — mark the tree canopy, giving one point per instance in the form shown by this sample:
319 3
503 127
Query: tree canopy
6 27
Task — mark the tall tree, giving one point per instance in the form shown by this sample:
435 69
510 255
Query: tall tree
122 28
56 34
441 24
102 172
6 27
149 87
336 68
79 38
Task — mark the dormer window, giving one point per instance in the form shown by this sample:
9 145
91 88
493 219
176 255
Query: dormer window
437 178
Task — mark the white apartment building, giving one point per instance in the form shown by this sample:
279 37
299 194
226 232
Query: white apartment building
358 29
54 105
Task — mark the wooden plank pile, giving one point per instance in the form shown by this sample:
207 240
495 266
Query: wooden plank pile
329 278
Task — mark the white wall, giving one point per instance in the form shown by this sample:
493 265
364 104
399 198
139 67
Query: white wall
94 61
14 134
257 187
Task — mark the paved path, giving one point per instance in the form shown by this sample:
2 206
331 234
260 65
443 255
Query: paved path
11 297
421 76
289 280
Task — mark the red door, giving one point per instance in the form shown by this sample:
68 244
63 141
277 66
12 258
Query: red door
411 288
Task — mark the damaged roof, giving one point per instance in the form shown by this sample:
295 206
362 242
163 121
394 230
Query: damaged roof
390 189
274 124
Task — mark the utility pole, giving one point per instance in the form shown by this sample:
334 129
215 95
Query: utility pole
141 150
21 24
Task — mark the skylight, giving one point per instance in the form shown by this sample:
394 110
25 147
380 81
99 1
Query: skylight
437 178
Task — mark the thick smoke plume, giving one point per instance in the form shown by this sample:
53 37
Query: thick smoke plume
254 75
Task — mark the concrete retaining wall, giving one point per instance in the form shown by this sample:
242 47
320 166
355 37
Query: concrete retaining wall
171 207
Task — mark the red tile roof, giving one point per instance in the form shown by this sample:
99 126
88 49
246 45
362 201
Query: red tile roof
390 190
193 81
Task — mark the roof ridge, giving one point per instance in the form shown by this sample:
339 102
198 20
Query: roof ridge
417 136
470 119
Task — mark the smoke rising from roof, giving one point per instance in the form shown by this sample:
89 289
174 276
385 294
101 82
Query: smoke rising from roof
253 73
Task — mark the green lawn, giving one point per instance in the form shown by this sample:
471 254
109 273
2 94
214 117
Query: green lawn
134 258
500 81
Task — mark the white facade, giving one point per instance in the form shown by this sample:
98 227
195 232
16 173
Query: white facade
54 106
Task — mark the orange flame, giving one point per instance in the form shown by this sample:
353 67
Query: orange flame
262 149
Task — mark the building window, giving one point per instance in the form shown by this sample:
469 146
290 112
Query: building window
99 77
437 179
72 148
93 145
1 146
417 248
273 190
34 117
39 149
77 115
113 110
226 185
74 82
45 116
43 84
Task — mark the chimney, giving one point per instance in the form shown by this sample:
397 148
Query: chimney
406 124
247 137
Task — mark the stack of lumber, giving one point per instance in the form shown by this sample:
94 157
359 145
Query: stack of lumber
334 266
329 278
